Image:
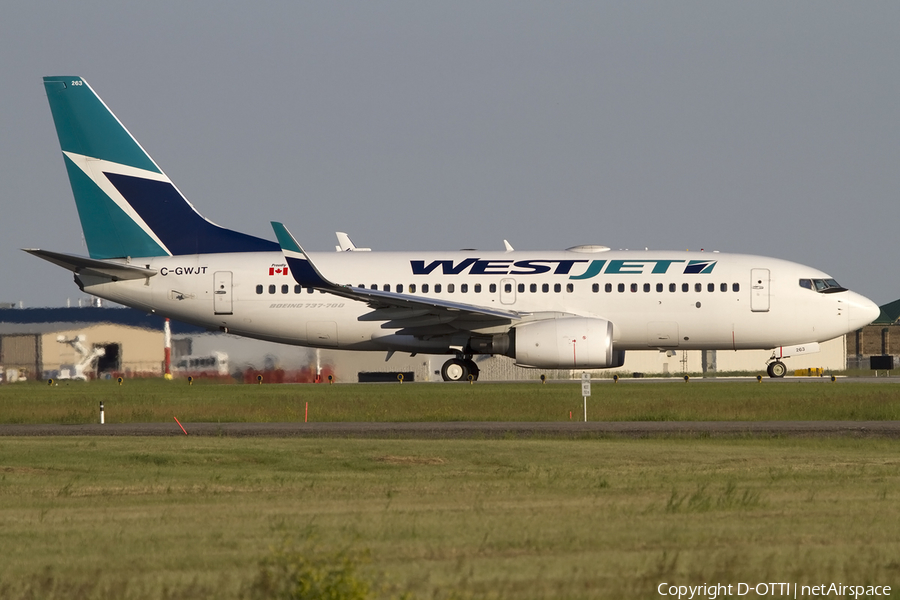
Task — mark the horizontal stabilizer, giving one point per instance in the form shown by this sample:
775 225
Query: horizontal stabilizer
80 264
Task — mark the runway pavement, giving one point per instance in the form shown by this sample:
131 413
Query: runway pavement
477 430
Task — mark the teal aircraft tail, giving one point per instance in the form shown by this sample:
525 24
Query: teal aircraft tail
126 204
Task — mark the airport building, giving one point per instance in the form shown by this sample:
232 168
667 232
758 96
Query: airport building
78 350
67 342
77 343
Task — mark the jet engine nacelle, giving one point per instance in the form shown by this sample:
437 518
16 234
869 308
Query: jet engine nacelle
567 343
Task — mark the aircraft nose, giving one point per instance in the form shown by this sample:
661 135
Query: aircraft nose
862 310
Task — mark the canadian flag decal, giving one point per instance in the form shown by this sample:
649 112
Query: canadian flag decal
278 270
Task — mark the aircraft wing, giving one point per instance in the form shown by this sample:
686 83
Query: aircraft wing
411 307
82 264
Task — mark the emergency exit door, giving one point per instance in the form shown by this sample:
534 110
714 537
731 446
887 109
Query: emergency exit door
507 291
759 290
222 292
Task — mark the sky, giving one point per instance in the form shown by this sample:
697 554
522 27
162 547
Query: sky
766 128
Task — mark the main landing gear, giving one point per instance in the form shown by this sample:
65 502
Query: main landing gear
460 369
776 369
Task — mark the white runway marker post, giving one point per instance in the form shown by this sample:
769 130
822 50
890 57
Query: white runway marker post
585 390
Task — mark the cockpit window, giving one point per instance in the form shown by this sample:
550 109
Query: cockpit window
823 286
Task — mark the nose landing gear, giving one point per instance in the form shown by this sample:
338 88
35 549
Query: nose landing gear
776 369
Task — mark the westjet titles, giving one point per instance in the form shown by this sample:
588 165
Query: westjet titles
477 266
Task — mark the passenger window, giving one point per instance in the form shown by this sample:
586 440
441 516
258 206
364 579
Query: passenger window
533 288
521 287
735 287
424 288
545 287
710 287
659 287
477 288
373 286
387 287
412 288
698 287
646 287
399 288
272 289
310 290
259 289
493 288
634 287
723 287
451 287
621 287
507 287
437 288
285 289
608 287
297 289
570 287
595 288
685 287
464 287
557 288
672 287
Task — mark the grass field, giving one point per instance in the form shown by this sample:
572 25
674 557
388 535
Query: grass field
192 518
158 401
187 517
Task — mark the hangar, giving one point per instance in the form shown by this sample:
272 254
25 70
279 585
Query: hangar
52 350
42 343
881 338
133 346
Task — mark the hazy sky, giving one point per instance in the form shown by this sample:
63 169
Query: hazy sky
769 128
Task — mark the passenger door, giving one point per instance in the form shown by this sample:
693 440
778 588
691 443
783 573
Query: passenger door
759 290
222 292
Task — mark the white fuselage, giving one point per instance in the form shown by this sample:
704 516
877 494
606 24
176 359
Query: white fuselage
727 301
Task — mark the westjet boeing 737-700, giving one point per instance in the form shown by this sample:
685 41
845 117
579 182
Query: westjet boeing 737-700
581 308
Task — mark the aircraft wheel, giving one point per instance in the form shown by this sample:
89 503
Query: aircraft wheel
776 369
473 368
455 369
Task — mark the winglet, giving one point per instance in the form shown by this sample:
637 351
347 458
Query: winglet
286 240
304 271
307 275
345 244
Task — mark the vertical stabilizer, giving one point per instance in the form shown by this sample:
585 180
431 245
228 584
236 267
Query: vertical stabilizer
127 205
